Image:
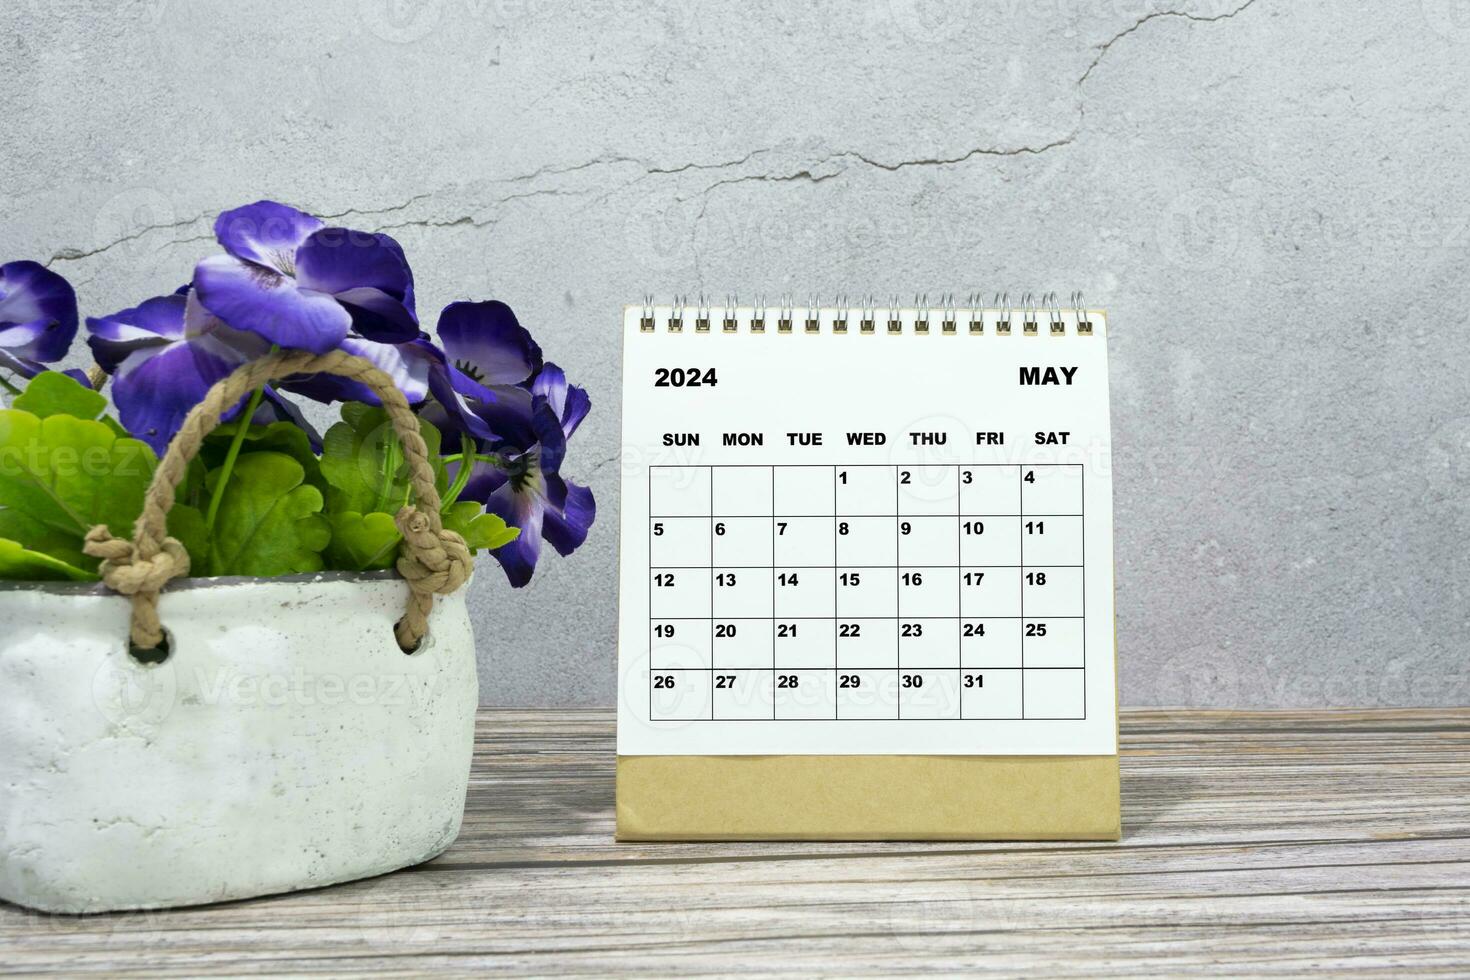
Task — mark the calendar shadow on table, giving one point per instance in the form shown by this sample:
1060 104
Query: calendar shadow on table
1149 797
582 807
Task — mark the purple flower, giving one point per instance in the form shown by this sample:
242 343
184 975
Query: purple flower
481 384
527 491
298 283
409 365
492 385
164 354
38 317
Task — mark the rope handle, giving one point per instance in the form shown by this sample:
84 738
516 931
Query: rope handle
432 559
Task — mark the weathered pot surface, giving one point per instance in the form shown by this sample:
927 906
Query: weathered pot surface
286 742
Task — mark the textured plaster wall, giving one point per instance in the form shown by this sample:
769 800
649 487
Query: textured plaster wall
1270 197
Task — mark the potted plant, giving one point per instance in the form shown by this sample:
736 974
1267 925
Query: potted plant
234 654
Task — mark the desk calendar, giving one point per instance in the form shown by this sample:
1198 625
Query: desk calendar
857 535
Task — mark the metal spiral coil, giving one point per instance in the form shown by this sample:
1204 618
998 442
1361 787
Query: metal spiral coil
944 316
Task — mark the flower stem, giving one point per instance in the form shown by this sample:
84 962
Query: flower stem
243 421
461 478
8 386
390 467
494 459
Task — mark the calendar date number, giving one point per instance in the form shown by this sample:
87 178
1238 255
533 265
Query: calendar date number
685 378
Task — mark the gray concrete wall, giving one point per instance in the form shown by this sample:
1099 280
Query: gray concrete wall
1269 196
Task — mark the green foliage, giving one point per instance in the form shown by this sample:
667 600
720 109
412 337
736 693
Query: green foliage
60 475
186 523
281 437
362 542
59 543
17 562
269 520
365 542
367 482
363 464
64 467
53 393
479 530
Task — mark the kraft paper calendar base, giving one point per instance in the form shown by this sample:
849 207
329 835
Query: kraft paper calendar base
868 797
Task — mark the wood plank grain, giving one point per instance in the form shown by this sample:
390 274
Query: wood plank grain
1255 842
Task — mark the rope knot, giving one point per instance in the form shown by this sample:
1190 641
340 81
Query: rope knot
431 561
125 572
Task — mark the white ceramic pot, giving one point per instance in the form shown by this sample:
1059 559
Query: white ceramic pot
285 743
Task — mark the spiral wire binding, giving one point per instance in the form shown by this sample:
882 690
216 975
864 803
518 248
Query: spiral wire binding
728 323
945 316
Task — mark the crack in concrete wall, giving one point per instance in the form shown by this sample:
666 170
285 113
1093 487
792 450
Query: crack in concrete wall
651 170
1106 46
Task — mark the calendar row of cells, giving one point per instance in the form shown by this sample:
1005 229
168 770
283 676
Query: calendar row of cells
877 541
821 491
702 644
1037 591
697 695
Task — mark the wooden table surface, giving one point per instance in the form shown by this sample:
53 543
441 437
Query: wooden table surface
1253 843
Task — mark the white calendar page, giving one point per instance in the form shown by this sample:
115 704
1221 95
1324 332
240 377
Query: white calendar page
895 542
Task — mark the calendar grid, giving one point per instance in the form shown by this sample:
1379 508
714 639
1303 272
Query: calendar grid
966 657
1021 530
714 628
836 659
898 599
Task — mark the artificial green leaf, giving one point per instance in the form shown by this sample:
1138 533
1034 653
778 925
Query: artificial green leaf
191 488
362 542
363 465
53 393
62 545
269 520
281 437
479 530
186 523
17 562
61 475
